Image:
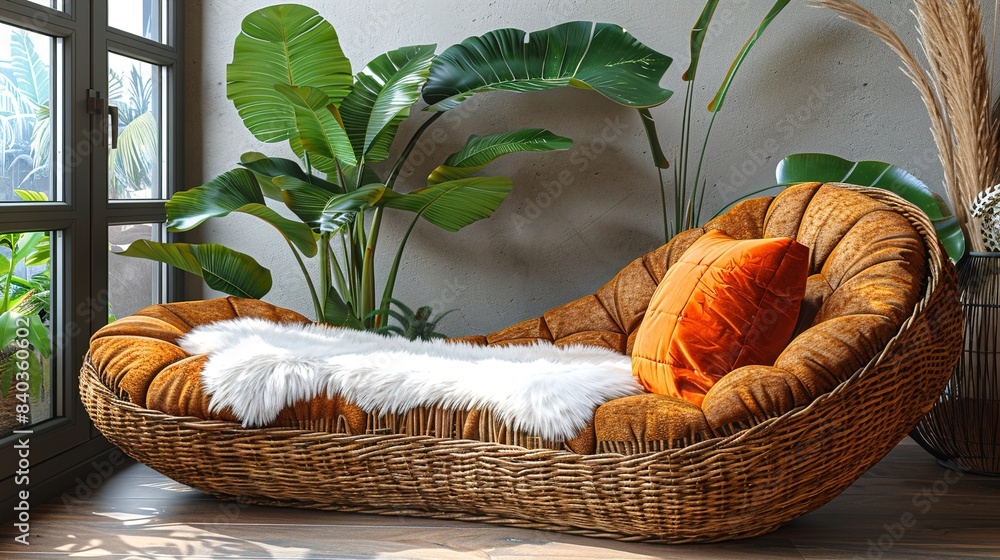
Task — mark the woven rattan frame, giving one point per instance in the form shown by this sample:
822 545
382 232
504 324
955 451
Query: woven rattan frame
742 485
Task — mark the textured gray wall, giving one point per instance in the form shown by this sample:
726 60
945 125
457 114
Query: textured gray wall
813 83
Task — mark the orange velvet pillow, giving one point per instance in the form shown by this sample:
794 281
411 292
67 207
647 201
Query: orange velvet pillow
725 304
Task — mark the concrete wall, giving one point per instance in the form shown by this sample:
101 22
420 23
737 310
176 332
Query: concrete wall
814 83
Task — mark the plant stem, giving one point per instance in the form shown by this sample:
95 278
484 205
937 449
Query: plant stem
357 259
348 265
309 167
324 264
390 282
339 277
663 201
312 288
368 269
390 181
675 224
10 274
701 160
341 179
369 258
359 234
361 174
6 290
352 265
685 154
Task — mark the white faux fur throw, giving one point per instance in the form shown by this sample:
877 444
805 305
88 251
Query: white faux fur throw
257 367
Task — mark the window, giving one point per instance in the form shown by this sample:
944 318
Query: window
70 121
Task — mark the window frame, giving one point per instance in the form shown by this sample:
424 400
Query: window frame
168 54
80 220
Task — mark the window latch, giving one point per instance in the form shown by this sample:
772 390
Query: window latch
97 105
113 113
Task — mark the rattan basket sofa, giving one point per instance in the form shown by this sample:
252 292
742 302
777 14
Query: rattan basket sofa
744 475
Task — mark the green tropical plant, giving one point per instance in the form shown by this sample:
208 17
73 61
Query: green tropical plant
24 303
413 325
826 168
25 127
290 81
132 165
689 189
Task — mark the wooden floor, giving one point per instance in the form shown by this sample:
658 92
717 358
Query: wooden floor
139 514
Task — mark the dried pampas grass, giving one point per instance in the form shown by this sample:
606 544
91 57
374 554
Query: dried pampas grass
956 89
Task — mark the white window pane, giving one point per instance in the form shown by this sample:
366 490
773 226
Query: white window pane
25 115
138 17
54 4
132 283
134 168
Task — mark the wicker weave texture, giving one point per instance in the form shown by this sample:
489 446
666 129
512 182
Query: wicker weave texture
737 486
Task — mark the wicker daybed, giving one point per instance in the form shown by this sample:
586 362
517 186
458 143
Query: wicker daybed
782 443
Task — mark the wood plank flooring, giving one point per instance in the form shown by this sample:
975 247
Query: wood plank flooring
906 507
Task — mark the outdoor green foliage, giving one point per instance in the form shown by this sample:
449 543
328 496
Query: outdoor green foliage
25 126
689 189
825 168
133 165
25 279
290 82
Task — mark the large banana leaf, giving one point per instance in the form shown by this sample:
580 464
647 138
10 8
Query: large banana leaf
825 168
304 199
341 209
720 97
38 335
31 76
21 292
649 125
288 45
31 73
137 155
480 151
455 204
598 56
698 33
8 327
381 99
41 137
266 169
234 191
222 268
338 313
116 87
318 128
22 245
41 254
322 211
368 176
31 196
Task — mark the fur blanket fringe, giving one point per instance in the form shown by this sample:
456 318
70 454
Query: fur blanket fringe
257 367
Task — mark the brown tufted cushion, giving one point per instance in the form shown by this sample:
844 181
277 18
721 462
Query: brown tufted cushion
138 358
867 266
631 424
